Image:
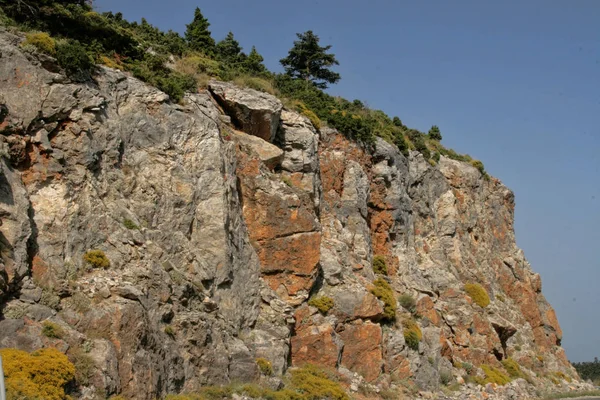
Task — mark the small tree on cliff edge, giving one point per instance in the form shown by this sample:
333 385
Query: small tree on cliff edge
311 62
198 35
435 134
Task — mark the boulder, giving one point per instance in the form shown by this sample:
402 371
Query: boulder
253 112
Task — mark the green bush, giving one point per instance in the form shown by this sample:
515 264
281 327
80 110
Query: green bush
96 258
315 384
302 109
478 294
412 333
379 265
494 375
254 82
383 291
435 134
52 330
418 139
264 366
42 374
513 369
84 366
479 165
41 41
408 302
170 331
322 303
73 57
129 224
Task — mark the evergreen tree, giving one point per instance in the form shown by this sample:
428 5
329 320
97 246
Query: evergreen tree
311 62
254 62
229 50
435 134
198 35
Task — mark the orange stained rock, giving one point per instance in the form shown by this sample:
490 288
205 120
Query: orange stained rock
362 349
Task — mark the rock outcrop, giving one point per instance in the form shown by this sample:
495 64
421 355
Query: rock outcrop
219 233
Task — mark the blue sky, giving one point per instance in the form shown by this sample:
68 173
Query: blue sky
513 83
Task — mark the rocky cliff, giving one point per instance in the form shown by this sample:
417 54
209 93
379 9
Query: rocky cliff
236 231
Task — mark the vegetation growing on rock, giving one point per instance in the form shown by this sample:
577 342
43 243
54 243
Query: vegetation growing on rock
42 374
264 366
308 382
41 41
513 368
408 303
52 330
493 375
478 294
379 265
384 292
87 37
412 333
322 303
96 258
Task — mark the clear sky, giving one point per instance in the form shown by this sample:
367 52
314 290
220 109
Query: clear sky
514 83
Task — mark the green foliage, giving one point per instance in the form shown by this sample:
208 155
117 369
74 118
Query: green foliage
152 69
379 265
264 366
436 157
73 57
129 224
41 41
313 383
468 367
412 333
352 125
408 303
306 383
446 377
588 369
307 112
254 82
513 369
42 374
253 63
494 375
198 35
418 139
322 303
310 62
52 330
170 331
478 294
479 165
145 51
383 291
229 50
435 134
84 366
96 258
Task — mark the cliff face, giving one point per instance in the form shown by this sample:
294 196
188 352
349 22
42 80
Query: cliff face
221 217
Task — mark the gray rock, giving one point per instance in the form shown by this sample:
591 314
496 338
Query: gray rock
254 112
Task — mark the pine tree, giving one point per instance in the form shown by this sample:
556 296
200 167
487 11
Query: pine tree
435 134
229 49
254 62
198 35
311 62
